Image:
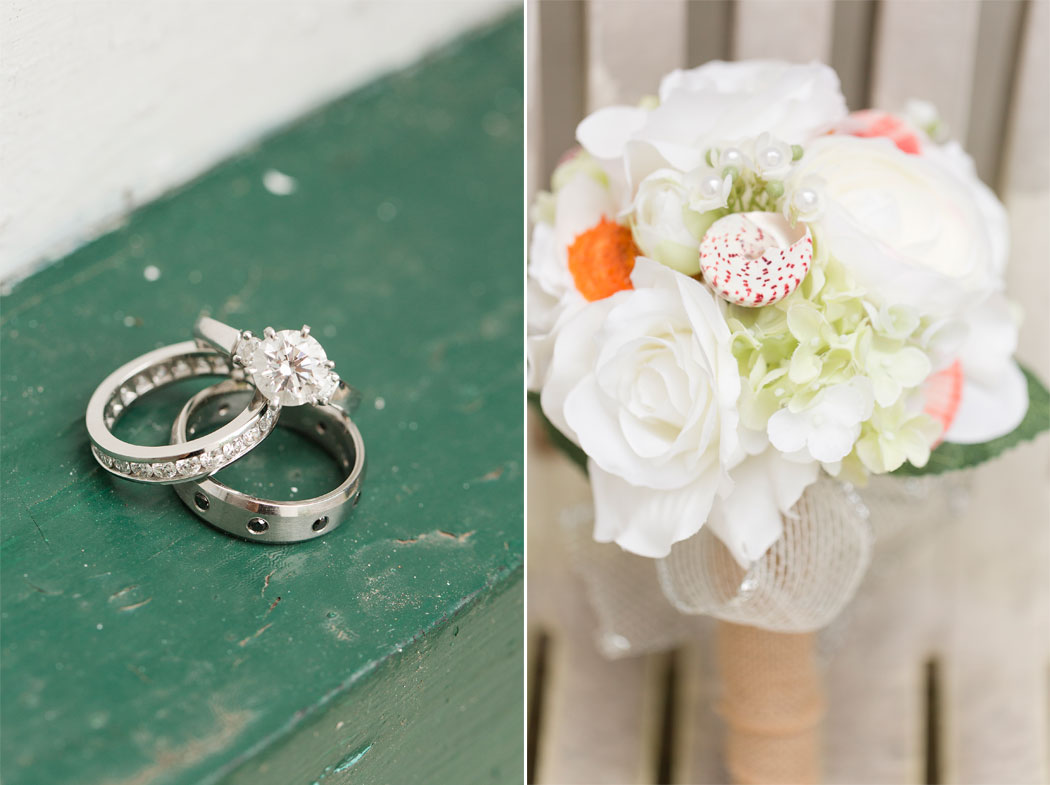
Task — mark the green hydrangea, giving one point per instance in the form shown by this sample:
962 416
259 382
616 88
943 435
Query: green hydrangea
826 333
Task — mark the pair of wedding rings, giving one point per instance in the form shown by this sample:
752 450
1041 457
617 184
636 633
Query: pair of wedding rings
283 373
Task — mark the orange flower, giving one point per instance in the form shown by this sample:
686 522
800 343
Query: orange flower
601 260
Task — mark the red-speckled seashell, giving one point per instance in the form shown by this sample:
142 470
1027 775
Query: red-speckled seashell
755 259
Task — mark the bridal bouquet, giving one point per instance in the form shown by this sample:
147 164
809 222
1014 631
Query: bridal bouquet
739 285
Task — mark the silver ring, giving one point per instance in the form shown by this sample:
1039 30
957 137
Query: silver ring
253 518
171 463
289 367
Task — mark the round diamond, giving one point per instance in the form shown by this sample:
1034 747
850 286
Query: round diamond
122 466
141 469
267 420
289 368
328 387
245 348
164 470
188 466
231 448
211 459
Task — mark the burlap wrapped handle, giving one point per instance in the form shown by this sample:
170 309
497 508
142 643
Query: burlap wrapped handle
773 705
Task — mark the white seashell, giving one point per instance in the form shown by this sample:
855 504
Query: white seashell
755 259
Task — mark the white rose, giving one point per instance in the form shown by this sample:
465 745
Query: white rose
716 101
908 228
645 383
666 216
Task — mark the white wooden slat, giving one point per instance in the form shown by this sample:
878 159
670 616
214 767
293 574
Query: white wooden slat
1026 187
561 76
927 50
699 731
997 42
999 647
851 49
554 484
599 717
874 678
709 31
1027 157
625 62
996 597
534 161
795 30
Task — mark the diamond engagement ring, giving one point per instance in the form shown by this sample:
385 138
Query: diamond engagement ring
289 367
172 463
266 520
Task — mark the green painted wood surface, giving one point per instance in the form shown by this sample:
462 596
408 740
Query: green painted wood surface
138 645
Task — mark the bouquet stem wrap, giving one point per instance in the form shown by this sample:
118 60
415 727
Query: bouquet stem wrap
772 704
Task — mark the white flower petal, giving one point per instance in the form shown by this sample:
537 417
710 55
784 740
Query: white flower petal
989 410
581 204
749 520
832 442
646 521
848 403
787 431
573 350
605 133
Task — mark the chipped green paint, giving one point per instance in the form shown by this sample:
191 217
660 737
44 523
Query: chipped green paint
139 646
352 760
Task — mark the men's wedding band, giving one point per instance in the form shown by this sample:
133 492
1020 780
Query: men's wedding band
267 520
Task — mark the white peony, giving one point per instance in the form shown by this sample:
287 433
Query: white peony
908 229
645 383
717 101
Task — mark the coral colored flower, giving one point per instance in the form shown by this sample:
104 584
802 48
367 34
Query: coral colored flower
601 260
870 123
942 394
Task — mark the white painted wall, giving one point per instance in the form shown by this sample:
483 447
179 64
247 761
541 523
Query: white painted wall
105 105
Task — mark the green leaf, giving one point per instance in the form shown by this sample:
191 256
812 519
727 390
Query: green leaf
953 457
559 439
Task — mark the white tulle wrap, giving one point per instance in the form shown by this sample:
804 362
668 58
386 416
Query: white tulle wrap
801 584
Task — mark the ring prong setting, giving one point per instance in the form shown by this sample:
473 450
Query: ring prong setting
305 331
270 333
